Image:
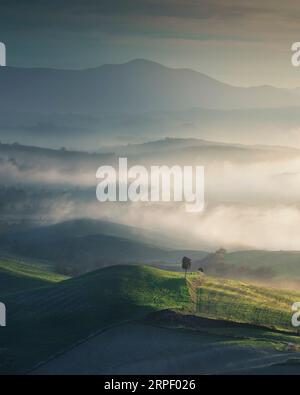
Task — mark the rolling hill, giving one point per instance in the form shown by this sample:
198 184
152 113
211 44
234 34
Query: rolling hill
280 269
78 246
90 131
282 262
48 326
136 86
138 101
45 321
237 301
17 275
192 150
86 226
284 266
69 170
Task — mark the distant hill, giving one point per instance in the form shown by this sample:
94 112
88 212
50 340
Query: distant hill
23 158
79 246
277 268
137 86
90 131
285 265
136 101
187 150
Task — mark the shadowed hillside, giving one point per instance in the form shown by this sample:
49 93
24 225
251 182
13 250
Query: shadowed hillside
17 275
46 321
80 246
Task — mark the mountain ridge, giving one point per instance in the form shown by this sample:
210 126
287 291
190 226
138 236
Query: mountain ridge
133 87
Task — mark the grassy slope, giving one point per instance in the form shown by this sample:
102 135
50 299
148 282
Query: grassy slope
241 302
42 322
18 276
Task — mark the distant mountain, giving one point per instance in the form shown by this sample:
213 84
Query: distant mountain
137 86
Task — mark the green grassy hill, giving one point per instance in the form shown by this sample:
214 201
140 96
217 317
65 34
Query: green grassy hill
48 320
239 301
45 321
16 276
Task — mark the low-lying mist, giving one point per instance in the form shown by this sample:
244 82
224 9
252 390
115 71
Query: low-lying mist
249 204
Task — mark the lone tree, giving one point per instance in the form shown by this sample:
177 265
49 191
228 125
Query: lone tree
186 264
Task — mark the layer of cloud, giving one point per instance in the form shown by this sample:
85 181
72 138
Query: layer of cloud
251 205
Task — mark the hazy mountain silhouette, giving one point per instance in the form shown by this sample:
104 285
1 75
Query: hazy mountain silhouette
137 86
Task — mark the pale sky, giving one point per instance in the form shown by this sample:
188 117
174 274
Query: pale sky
237 41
